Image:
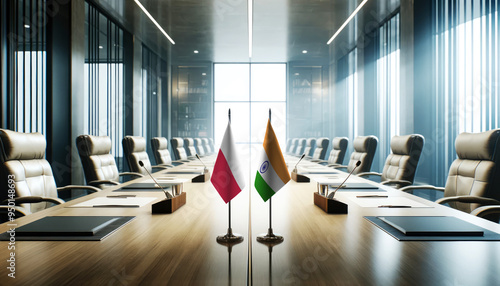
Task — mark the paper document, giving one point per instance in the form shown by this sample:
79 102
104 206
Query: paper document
115 202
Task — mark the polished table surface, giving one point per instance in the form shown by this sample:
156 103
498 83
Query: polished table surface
318 248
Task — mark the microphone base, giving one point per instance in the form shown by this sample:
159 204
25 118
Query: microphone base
300 178
202 178
168 206
330 206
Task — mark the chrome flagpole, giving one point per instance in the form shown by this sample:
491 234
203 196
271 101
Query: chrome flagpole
270 238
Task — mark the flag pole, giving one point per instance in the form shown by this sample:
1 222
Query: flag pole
230 238
270 238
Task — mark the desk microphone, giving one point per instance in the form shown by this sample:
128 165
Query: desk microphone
167 194
201 162
331 195
301 157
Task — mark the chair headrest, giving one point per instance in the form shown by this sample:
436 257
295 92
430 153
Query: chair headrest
364 143
339 143
322 143
198 141
402 145
189 141
22 146
89 145
135 143
478 146
310 141
161 143
205 141
178 142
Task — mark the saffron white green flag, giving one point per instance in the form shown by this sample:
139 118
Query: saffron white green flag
272 174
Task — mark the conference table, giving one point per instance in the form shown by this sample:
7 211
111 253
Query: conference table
318 248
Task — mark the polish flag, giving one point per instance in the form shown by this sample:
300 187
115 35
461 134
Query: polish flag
227 176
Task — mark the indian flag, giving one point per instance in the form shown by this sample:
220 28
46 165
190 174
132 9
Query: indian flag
227 176
272 174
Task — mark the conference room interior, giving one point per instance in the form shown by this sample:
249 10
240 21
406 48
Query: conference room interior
184 69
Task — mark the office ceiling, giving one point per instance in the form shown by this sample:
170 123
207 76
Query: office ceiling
218 29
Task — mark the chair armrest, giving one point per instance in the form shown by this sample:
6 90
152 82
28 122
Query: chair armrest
338 166
163 167
34 199
131 174
91 189
485 211
469 199
365 174
401 183
167 165
410 189
98 183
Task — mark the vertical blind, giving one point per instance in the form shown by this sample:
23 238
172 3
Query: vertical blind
27 65
154 81
388 76
104 85
466 42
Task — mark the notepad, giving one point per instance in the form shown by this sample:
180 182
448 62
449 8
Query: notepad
66 226
432 226
148 185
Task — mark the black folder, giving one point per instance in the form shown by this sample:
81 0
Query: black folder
85 228
432 226
65 226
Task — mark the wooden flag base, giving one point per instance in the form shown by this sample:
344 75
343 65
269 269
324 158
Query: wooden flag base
202 178
331 206
168 206
299 178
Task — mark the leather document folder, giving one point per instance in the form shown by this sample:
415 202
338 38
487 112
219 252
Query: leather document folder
65 226
432 226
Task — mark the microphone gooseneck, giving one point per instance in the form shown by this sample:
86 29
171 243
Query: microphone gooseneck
167 194
197 156
332 194
301 157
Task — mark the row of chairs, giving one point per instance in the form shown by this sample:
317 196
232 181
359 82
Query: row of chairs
185 148
22 158
473 183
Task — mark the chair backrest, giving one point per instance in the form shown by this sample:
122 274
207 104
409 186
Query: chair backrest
189 146
321 148
178 148
22 159
310 145
301 145
364 151
198 144
160 150
288 145
339 148
206 145
211 144
402 163
476 171
97 161
295 144
134 150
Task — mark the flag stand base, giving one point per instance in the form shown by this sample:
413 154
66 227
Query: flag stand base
270 238
229 238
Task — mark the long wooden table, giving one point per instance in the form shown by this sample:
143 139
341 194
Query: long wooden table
318 248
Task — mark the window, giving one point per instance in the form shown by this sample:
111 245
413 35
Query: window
388 84
103 77
27 66
466 44
250 90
